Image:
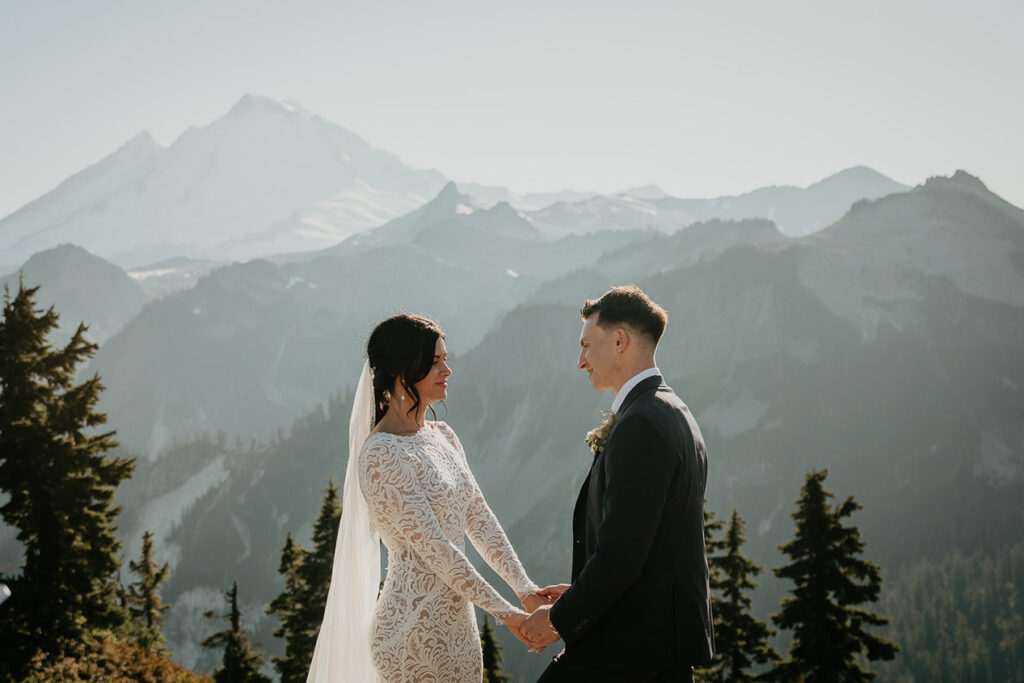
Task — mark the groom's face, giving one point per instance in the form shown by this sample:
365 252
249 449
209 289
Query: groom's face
597 354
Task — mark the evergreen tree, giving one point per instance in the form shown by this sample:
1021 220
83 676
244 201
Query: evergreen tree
318 566
300 607
142 597
288 608
492 654
714 547
241 663
829 629
60 482
741 639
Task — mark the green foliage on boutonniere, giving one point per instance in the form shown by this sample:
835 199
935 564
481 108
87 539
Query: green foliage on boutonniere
597 436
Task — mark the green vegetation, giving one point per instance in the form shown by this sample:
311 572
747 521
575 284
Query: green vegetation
958 618
241 663
60 481
741 639
307 575
830 584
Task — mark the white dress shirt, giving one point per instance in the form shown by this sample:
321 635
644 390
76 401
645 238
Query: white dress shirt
620 396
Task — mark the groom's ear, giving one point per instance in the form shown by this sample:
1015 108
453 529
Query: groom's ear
621 339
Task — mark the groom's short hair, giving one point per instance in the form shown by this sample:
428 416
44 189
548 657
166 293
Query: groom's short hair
628 306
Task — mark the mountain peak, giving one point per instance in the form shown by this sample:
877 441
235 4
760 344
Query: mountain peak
249 104
649 191
445 202
965 179
61 253
144 142
448 192
860 176
961 179
503 210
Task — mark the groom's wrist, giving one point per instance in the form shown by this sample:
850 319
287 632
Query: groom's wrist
551 625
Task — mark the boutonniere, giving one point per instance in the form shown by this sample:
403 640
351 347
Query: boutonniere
597 436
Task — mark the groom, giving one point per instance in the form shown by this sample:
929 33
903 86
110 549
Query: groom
639 605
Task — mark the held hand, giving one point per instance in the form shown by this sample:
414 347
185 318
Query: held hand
515 624
554 592
537 630
531 601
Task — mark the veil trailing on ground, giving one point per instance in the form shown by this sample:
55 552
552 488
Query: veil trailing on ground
342 653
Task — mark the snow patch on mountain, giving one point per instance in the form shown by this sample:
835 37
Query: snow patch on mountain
730 418
163 513
999 461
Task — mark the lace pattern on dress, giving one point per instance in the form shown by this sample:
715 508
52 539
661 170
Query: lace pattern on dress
424 500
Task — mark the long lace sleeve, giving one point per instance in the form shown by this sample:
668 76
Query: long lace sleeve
487 534
394 493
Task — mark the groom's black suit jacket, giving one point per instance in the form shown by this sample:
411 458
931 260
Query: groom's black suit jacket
640 598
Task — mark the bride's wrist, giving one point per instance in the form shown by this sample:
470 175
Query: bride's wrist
528 592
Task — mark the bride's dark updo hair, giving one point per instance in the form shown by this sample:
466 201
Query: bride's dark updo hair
401 348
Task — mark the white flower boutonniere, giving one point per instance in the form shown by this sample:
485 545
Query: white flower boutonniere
597 436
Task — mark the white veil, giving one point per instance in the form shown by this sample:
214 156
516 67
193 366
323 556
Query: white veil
342 653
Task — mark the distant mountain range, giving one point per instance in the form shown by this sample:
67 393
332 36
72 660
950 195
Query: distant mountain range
271 336
856 325
888 348
269 178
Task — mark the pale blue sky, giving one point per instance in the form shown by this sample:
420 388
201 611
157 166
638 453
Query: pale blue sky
702 98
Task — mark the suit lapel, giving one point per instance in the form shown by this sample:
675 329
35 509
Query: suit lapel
652 382
580 511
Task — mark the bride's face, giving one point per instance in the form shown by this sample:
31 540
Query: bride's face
434 387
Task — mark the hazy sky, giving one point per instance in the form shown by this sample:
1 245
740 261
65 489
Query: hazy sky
703 98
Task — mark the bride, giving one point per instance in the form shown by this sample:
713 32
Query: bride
416 492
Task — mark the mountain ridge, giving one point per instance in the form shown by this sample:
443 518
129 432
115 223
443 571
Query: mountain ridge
265 177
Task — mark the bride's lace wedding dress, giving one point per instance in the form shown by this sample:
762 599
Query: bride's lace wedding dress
423 500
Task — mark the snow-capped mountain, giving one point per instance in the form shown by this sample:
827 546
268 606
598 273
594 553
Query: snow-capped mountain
267 177
796 211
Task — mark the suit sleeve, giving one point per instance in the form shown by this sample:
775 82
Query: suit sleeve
639 468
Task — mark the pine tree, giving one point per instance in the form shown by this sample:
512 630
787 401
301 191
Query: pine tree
492 654
829 629
60 482
714 546
289 609
241 663
300 607
741 639
318 566
142 597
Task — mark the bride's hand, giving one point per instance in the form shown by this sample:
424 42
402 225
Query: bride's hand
514 622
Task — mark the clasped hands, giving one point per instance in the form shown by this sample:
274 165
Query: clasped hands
534 628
